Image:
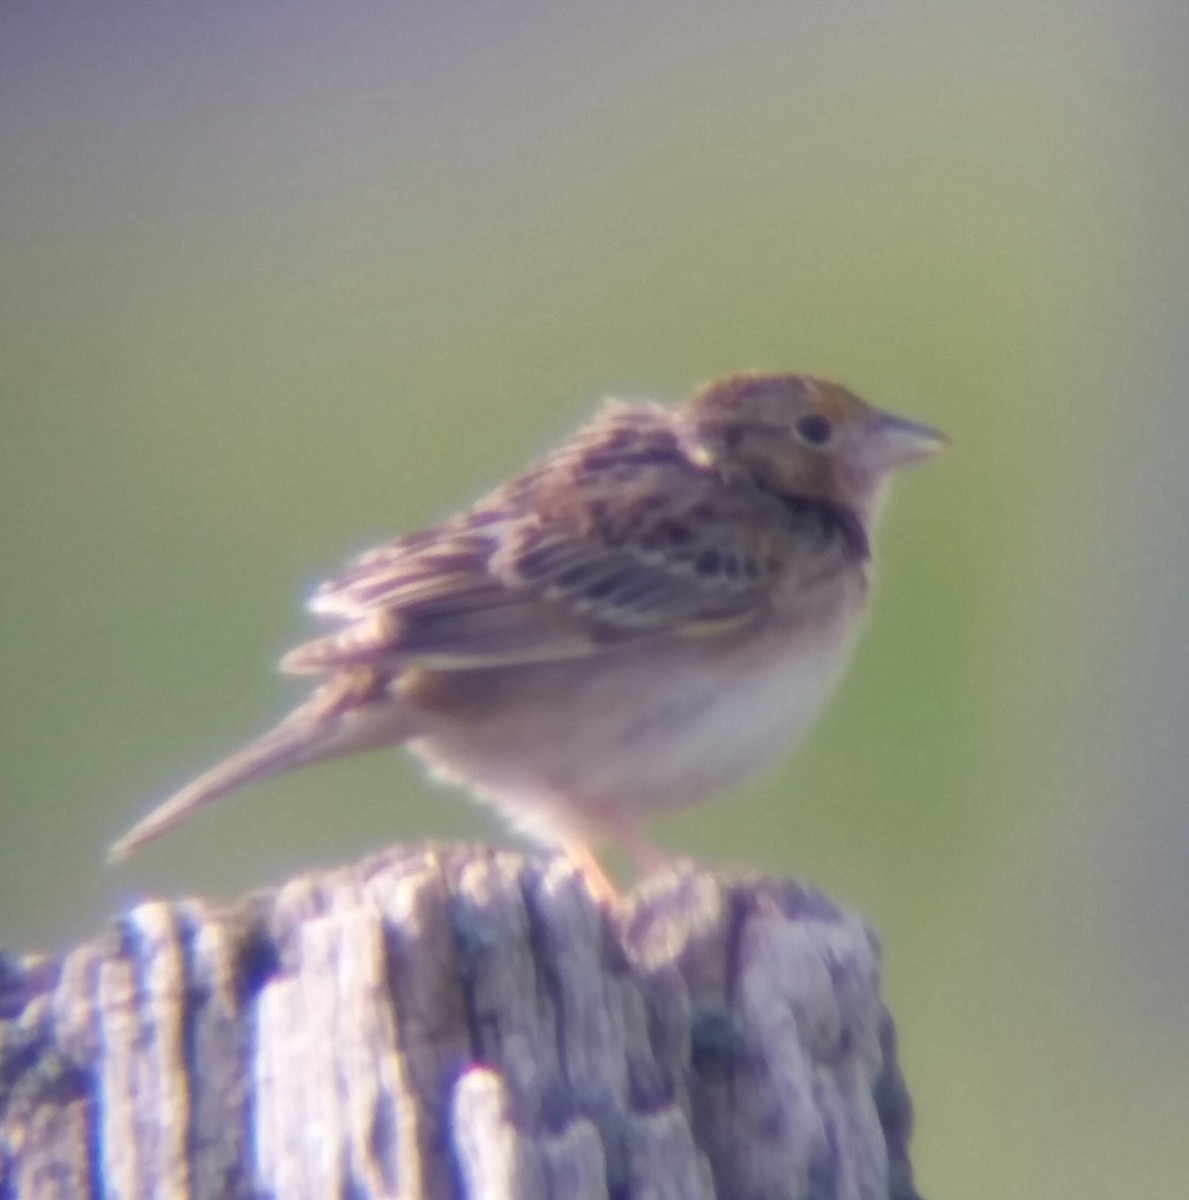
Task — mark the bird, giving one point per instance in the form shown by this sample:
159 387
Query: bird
644 618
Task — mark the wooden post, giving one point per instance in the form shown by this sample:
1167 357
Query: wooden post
456 1022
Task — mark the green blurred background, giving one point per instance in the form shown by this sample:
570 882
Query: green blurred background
281 280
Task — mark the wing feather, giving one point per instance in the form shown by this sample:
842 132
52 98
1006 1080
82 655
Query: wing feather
622 535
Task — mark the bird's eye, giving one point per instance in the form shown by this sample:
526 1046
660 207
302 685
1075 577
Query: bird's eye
814 429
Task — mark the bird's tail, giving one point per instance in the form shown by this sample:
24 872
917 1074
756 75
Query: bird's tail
335 721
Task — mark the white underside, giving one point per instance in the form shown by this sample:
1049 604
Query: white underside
597 744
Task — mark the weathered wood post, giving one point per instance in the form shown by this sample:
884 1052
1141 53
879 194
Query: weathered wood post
455 1022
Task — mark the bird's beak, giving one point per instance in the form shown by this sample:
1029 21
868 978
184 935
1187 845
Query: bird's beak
894 442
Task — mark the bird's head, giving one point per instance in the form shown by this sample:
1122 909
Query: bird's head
805 436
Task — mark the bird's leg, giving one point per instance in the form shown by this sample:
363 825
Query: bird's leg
620 830
597 881
617 830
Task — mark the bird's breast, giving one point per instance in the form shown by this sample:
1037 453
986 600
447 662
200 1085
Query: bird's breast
638 732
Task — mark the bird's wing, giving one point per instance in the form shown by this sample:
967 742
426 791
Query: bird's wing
620 535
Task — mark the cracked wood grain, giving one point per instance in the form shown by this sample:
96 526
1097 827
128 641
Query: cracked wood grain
450 1022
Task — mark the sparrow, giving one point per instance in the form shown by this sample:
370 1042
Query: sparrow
644 618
